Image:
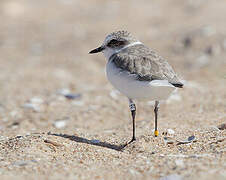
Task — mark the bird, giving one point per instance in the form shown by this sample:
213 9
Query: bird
137 71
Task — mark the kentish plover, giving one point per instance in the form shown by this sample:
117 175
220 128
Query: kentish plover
137 71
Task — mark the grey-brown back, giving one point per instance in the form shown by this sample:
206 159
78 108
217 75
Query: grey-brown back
146 64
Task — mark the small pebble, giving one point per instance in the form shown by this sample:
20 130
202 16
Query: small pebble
3 138
15 124
170 131
34 104
14 113
63 91
187 42
60 124
24 163
213 128
20 163
67 94
202 60
19 136
95 141
34 107
222 126
189 140
72 96
36 100
213 50
168 140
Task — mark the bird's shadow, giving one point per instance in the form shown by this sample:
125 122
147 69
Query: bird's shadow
78 139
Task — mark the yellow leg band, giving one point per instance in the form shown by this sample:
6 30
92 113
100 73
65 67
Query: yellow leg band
156 133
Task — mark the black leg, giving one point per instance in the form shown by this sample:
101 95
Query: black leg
156 118
133 113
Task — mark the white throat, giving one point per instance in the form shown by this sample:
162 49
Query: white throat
108 52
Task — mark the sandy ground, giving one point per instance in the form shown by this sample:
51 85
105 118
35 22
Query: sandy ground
44 56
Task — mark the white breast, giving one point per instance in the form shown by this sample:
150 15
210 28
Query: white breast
128 85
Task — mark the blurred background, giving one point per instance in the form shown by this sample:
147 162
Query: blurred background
44 44
49 82
44 49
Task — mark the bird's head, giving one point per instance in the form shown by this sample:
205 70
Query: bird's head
114 42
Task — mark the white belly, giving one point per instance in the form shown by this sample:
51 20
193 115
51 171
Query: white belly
128 85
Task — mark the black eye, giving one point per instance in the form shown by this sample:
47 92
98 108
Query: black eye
115 43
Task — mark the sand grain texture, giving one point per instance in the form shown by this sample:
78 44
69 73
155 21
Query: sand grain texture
61 119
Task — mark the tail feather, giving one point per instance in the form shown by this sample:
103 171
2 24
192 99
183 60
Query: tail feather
178 85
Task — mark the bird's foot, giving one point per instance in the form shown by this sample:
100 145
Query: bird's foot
132 140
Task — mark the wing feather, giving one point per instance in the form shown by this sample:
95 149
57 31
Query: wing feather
146 64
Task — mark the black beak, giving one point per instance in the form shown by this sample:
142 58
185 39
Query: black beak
99 49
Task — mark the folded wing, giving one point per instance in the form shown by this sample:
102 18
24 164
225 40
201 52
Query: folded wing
146 64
